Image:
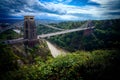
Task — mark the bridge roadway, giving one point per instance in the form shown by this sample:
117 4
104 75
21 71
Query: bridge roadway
63 32
83 27
14 41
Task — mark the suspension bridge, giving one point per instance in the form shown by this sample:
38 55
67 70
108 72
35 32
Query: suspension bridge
85 26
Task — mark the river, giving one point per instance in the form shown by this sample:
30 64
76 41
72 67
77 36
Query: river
55 51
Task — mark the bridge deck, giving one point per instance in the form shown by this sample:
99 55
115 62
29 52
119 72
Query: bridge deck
63 32
83 27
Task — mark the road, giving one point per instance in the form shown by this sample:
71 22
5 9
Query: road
54 50
17 31
13 41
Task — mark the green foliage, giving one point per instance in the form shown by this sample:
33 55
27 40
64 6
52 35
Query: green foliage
80 65
9 34
8 60
104 36
95 65
69 24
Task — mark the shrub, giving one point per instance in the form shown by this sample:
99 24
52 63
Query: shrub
95 65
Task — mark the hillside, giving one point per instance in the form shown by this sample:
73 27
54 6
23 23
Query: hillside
19 49
95 65
9 34
104 36
94 54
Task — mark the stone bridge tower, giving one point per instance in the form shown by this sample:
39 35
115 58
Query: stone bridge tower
30 33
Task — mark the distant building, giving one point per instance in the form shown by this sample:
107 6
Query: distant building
30 31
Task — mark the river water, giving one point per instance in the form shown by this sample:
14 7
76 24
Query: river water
55 51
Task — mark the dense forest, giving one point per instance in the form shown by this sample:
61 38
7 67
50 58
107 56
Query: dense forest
80 65
93 54
105 35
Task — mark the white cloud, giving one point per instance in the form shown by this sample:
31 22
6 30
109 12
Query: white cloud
69 17
63 1
67 12
102 1
107 3
68 9
64 12
107 7
55 7
48 15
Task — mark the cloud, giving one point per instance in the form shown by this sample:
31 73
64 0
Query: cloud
60 9
109 8
34 7
61 1
109 4
100 1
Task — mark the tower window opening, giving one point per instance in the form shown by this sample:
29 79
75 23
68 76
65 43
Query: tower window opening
31 18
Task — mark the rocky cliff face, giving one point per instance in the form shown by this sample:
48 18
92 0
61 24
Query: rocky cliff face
27 54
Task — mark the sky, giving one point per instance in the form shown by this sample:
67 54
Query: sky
60 9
